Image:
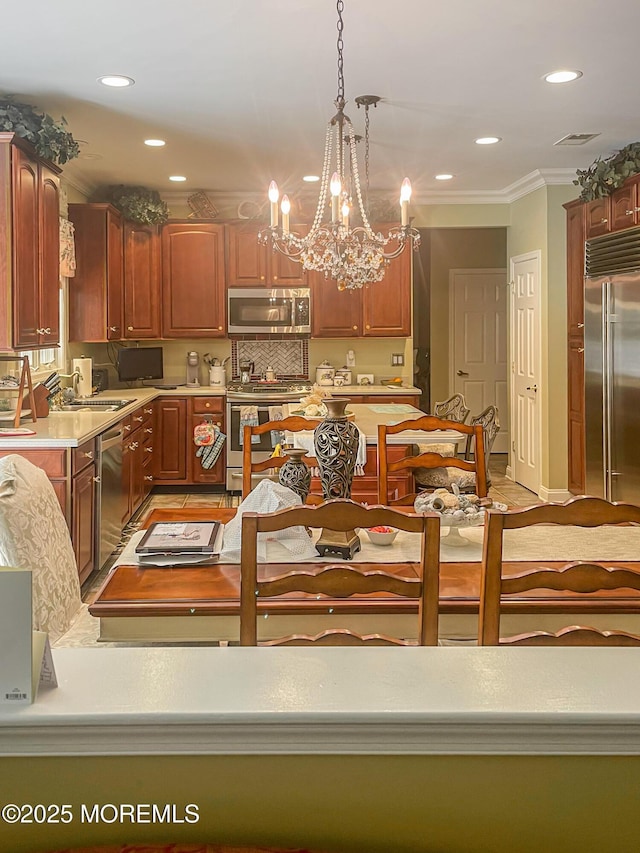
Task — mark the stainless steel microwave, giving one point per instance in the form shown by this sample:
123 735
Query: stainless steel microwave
277 309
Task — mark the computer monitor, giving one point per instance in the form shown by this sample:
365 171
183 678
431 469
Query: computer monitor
136 363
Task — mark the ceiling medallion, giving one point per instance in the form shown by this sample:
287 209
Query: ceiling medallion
351 254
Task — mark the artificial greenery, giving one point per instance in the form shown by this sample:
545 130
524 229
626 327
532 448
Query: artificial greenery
50 138
604 176
138 204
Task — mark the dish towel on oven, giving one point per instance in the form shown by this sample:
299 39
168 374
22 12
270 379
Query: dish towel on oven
209 439
277 435
248 417
304 440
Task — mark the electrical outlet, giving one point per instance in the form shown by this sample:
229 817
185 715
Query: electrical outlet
397 359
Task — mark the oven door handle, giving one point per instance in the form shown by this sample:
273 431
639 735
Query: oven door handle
259 408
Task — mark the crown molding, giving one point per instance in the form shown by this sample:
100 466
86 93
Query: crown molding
84 187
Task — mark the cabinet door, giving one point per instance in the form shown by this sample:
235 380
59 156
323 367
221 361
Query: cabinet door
247 259
136 482
387 303
170 441
26 288
193 294
335 313
114 276
624 207
575 268
282 271
598 217
576 417
141 281
49 247
84 520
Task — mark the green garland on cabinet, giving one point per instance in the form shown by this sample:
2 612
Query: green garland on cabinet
604 176
137 204
50 138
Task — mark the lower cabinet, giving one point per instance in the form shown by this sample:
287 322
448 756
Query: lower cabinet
365 489
175 460
83 528
137 456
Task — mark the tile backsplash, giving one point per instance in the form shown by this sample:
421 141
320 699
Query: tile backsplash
289 359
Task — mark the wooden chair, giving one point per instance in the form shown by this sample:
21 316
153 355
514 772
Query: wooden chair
490 428
292 424
576 577
428 459
453 409
344 580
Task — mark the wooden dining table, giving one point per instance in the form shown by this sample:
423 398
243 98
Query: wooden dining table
185 604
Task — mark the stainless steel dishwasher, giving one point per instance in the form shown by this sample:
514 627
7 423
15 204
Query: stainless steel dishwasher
111 497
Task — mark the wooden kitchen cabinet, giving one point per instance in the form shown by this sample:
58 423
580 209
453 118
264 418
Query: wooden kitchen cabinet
206 409
193 280
597 217
576 414
95 299
137 457
141 246
83 523
624 206
250 264
29 247
381 309
170 451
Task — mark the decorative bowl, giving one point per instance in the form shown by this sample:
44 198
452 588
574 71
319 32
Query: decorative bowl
381 537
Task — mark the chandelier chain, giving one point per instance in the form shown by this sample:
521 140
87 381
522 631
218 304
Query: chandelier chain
340 44
366 157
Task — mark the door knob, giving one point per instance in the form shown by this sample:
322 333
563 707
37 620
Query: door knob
462 373
532 387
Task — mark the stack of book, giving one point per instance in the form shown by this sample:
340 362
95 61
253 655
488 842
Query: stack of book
180 543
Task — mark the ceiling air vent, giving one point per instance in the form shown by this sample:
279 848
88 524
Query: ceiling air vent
576 138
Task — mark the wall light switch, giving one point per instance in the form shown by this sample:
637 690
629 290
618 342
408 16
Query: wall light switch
397 359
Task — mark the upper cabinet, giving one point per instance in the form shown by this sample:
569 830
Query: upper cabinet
381 309
598 217
95 299
193 280
625 210
141 281
29 247
250 264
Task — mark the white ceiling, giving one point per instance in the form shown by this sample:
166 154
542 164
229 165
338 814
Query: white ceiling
242 90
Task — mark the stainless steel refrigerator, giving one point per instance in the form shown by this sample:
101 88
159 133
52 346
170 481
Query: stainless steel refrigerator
612 386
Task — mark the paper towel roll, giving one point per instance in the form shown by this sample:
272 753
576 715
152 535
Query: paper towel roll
84 366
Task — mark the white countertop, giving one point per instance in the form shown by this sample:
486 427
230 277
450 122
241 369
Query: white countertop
454 700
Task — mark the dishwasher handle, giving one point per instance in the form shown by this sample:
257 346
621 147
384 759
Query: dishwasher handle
111 438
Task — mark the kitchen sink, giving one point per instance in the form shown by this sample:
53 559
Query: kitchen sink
94 406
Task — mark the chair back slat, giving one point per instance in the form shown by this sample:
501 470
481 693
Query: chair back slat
453 409
345 580
579 577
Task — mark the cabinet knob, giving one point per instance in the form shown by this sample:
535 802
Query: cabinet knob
148 450
355 328
581 325
149 429
113 328
261 278
148 477
580 349
130 328
207 405
139 419
127 427
219 328
368 326
88 454
43 331
148 411
628 213
637 209
133 445
275 278
603 221
97 479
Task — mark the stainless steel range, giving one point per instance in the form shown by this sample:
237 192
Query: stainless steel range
267 397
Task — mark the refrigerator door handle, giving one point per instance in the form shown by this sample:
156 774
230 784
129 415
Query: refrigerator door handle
607 367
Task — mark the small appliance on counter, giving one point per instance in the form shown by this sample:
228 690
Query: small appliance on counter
83 367
246 370
193 369
325 373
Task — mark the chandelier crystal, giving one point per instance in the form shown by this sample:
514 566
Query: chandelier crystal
354 255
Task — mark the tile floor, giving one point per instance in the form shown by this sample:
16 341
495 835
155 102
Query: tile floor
502 490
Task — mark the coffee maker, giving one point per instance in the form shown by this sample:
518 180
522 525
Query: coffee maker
246 370
193 369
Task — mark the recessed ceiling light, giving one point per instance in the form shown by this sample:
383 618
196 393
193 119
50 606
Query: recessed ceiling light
488 140
562 76
177 178
311 178
443 177
155 143
116 81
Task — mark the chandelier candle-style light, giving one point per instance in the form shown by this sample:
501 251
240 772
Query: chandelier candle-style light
352 254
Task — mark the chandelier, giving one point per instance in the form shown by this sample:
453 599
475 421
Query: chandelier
351 254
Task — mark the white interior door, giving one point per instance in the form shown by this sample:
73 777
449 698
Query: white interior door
478 336
525 390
